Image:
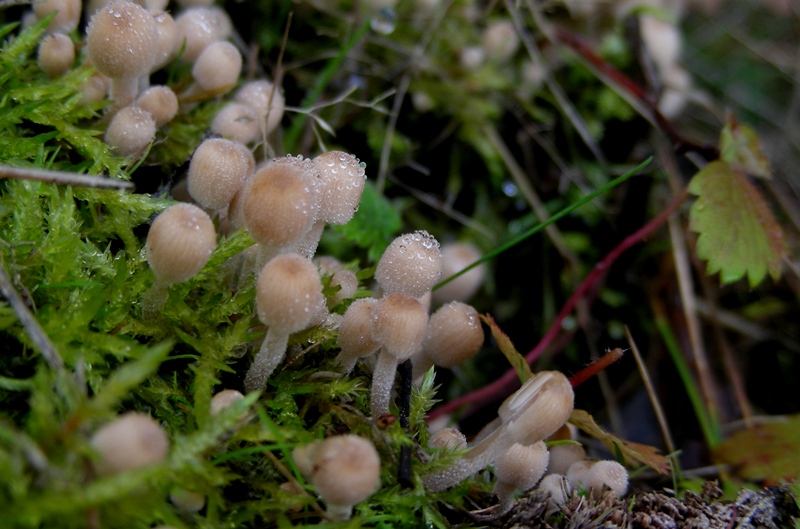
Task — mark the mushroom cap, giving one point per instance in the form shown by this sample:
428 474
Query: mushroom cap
280 202
455 257
556 487
56 54
537 409
256 95
343 179
563 456
355 331
217 171
448 438
160 101
604 474
288 293
217 68
348 283
454 334
68 14
167 39
398 324
411 264
347 469
522 466
223 399
237 122
132 440
122 40
130 131
199 27
180 242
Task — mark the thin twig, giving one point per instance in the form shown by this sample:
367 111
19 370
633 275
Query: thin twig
651 392
596 367
63 178
498 388
29 323
277 82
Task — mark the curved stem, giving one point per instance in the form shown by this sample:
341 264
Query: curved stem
272 351
382 383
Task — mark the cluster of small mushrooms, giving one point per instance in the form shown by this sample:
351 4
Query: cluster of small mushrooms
284 204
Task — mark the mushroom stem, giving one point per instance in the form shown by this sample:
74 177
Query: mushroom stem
123 93
382 383
271 354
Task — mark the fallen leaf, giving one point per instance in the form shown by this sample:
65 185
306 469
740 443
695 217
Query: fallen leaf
625 450
738 234
767 451
516 360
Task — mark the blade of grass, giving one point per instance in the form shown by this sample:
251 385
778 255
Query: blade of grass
542 225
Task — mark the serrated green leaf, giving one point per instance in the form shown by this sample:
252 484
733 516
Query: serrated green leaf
738 234
739 146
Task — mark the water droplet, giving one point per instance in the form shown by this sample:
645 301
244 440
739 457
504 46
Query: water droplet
384 21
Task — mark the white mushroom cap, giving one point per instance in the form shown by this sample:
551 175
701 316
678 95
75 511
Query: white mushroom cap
236 122
130 131
217 171
67 19
160 101
56 54
455 257
216 70
345 470
199 27
348 283
168 43
522 466
500 40
342 182
606 474
187 501
280 202
556 487
398 324
411 265
288 293
180 242
539 408
132 440
122 40
256 95
454 334
355 333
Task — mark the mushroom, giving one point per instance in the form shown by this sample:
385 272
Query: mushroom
122 42
288 295
266 101
279 204
604 475
68 14
455 257
398 325
200 26
216 70
454 335
556 488
449 439
160 102
521 467
411 265
355 334
179 244
217 171
345 470
130 131
132 440
533 412
56 54
236 122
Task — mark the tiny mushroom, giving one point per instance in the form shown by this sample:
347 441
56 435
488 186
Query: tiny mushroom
130 131
216 70
56 54
161 102
606 475
288 296
521 467
122 42
179 244
355 334
398 324
217 171
455 257
411 265
448 439
132 440
345 470
533 412
265 100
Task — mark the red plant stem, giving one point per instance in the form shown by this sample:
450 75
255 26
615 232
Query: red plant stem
500 387
595 367
679 142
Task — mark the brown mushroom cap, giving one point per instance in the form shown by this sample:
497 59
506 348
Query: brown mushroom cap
411 264
256 96
160 101
343 179
537 409
454 334
130 131
604 474
355 332
288 293
216 70
522 466
398 324
199 27
56 54
68 14
122 40
180 242
236 122
132 440
217 171
449 439
280 202
455 257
